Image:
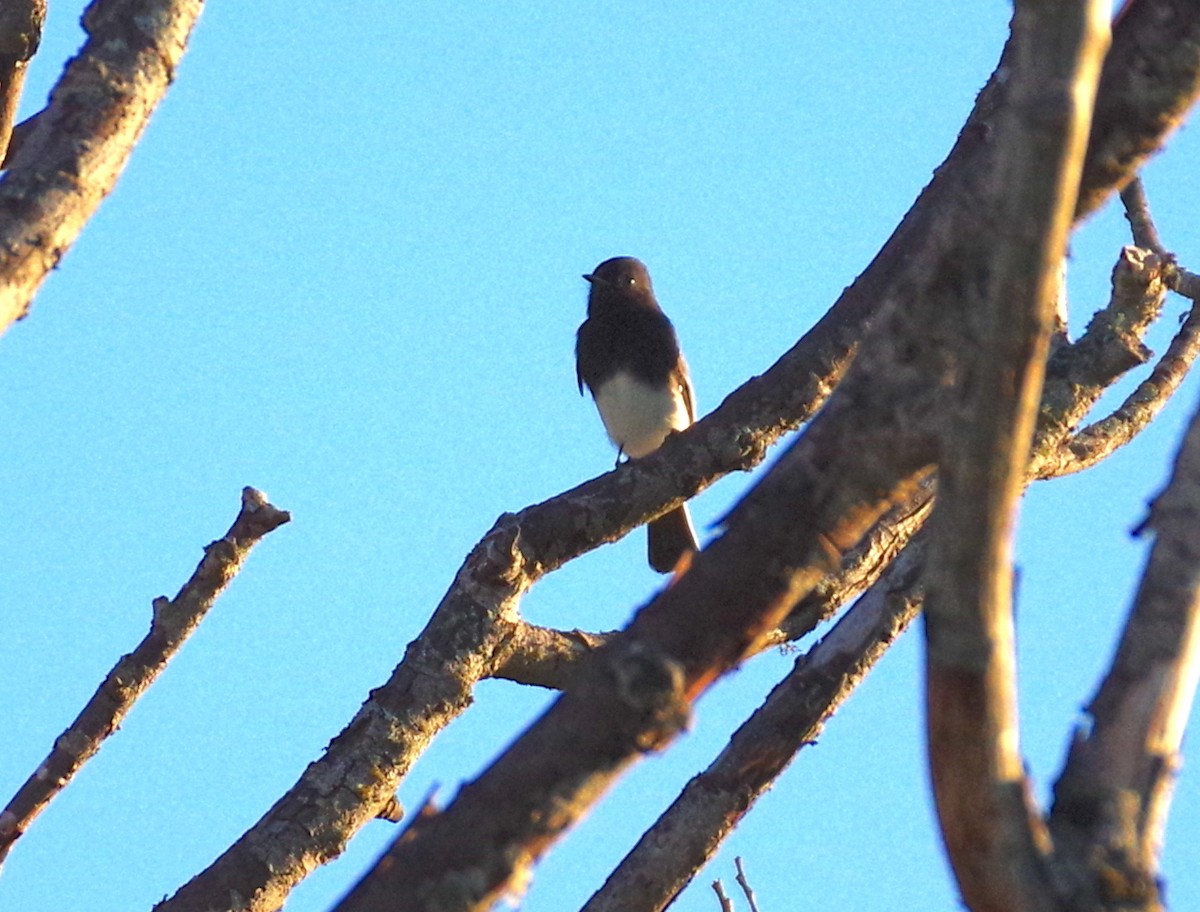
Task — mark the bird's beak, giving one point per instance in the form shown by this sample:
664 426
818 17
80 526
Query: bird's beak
588 277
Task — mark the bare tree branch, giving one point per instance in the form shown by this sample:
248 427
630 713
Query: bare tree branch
714 802
744 883
695 630
994 836
79 145
172 623
546 657
1146 89
1078 374
722 898
867 449
691 830
1141 224
20 33
1114 792
550 658
1097 441
466 638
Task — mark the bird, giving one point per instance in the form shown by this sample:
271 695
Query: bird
628 356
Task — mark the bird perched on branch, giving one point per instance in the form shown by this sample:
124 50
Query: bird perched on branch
628 356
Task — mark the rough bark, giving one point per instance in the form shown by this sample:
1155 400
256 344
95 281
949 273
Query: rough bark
172 622
994 836
1112 798
20 33
72 156
466 638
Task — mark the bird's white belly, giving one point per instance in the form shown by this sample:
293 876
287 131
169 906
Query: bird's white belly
638 416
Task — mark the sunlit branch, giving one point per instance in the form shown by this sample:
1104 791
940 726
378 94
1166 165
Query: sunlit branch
1146 89
994 836
1115 789
465 639
691 830
79 146
20 33
713 803
172 622
1097 441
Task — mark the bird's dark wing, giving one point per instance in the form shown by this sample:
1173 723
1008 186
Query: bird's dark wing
584 346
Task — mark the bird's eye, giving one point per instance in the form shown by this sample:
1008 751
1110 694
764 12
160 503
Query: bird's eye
632 281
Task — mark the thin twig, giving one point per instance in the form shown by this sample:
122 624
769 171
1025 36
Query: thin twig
1137 211
1097 441
172 622
722 898
745 884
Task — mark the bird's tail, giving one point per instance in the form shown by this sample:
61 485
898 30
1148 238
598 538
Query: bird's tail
670 537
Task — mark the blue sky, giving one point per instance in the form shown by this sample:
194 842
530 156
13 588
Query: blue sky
344 267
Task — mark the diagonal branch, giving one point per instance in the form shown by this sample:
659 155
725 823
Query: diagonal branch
551 658
1078 374
172 623
1146 89
689 832
20 34
1114 792
79 145
867 450
1097 441
634 695
712 804
466 638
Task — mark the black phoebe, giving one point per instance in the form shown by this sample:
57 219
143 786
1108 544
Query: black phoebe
627 354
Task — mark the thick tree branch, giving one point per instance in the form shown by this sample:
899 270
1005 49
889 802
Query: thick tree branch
689 832
1111 801
79 145
1146 89
551 658
1078 375
861 455
866 450
993 835
465 639
711 806
172 623
20 33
